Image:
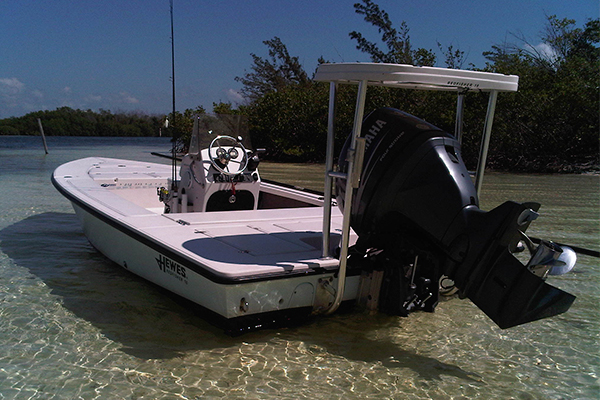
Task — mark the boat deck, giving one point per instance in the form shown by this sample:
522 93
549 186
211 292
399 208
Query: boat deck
249 244
229 245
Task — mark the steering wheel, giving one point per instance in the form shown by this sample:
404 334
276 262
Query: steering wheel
223 154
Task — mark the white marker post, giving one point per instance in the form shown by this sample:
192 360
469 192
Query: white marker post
43 136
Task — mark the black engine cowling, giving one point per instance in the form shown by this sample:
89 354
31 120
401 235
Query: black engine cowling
416 198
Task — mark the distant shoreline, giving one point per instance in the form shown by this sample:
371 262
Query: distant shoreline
538 165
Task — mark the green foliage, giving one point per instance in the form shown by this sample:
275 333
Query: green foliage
66 121
453 58
224 108
274 74
291 123
180 125
551 124
553 120
400 50
8 130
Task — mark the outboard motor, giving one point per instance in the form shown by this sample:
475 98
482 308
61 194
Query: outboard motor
417 216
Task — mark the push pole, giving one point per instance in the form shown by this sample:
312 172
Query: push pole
43 136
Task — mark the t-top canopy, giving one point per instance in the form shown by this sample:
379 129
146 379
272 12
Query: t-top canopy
411 77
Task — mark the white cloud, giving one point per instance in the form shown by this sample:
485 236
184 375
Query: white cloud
234 96
11 96
68 103
131 100
127 98
544 51
11 86
18 98
94 98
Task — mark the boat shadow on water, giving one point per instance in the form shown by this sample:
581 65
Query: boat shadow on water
152 323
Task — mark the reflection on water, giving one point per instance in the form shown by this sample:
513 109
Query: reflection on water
73 325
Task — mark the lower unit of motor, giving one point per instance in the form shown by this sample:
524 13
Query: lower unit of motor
397 284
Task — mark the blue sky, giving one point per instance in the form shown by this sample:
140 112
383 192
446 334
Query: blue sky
115 55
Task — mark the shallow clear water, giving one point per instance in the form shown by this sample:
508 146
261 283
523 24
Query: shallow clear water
74 325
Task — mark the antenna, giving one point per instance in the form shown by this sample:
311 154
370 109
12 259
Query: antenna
172 56
173 129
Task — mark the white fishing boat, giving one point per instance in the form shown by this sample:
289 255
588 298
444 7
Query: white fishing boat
398 222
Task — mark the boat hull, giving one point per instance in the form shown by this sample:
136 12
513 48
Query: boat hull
237 303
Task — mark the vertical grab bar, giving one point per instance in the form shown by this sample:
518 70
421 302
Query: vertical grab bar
458 125
328 169
485 141
352 157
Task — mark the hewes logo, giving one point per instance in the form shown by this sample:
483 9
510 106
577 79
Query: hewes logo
172 268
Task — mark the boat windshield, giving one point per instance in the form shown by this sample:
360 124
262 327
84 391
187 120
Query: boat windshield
209 126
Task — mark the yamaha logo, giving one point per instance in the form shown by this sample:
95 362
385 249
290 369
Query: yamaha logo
373 131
